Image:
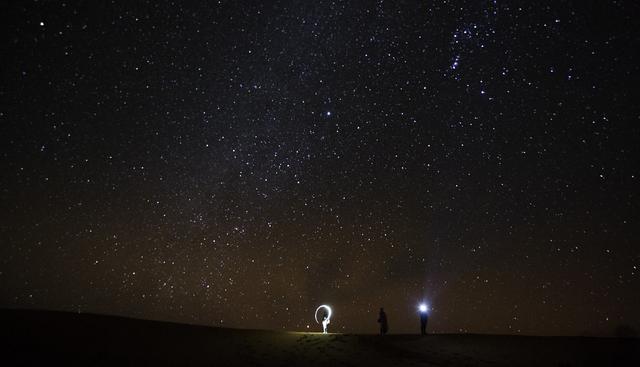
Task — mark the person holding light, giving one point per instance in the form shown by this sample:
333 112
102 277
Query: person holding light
424 318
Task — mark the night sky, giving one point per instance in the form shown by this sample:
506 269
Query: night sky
238 163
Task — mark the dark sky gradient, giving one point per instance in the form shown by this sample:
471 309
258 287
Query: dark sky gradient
238 163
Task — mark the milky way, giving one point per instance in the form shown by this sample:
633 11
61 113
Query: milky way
239 163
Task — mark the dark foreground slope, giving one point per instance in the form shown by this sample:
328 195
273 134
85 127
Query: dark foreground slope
54 338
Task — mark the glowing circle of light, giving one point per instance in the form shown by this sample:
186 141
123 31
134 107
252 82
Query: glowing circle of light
328 312
423 307
326 320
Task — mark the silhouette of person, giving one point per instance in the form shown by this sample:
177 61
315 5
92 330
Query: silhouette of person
382 320
325 321
424 319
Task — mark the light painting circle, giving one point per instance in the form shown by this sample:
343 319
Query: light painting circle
328 312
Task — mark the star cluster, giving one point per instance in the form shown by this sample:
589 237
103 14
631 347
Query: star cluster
238 163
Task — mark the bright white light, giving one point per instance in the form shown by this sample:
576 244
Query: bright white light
423 308
326 321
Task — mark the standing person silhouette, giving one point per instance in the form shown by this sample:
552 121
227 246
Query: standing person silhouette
325 321
424 319
382 320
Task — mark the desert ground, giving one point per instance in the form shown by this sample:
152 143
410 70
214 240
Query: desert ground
44 338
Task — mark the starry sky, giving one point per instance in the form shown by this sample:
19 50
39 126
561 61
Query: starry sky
238 163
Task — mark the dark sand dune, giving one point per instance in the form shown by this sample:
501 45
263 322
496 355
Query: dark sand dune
56 338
